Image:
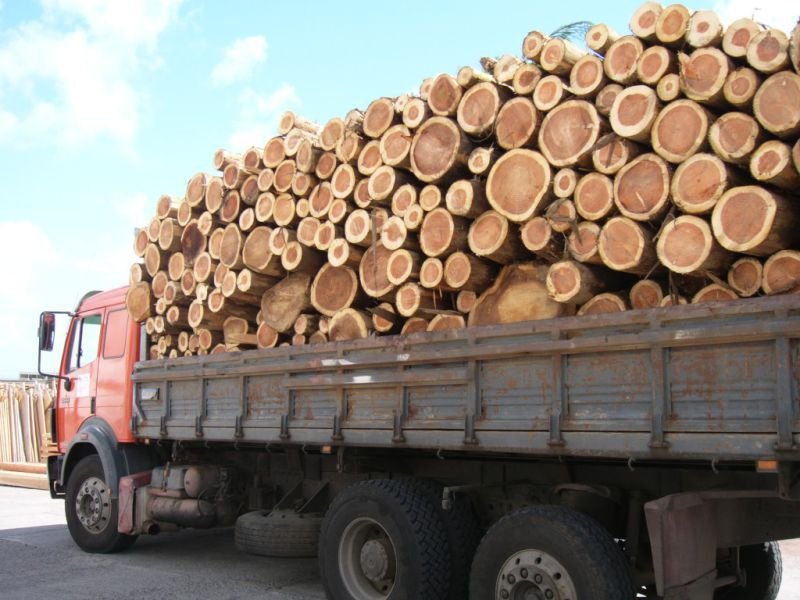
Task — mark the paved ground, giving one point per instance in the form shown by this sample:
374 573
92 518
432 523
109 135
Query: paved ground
39 560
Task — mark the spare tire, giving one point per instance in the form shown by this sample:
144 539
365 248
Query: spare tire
278 533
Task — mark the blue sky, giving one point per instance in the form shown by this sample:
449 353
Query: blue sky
106 105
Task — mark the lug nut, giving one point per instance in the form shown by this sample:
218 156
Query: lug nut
538 578
523 573
511 579
548 594
504 594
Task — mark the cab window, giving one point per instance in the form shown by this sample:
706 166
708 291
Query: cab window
85 341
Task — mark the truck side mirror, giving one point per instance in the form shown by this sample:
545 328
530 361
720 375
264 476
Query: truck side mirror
47 331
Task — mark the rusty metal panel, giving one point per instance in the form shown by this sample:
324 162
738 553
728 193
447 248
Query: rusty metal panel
185 399
608 387
223 397
436 405
713 387
515 393
370 404
266 398
314 407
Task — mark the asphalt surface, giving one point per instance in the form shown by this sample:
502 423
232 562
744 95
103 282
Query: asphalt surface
39 560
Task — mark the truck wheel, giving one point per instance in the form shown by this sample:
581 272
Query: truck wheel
384 540
91 511
549 552
763 569
278 533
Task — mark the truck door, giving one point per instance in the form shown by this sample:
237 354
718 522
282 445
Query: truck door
80 366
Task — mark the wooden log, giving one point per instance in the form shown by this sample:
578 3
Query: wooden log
680 130
231 207
264 207
302 184
624 245
477 111
776 104
205 222
654 63
465 271
334 289
343 182
293 140
307 156
602 304
745 276
465 301
755 221
278 238
404 197
518 294
395 146
644 19
249 282
247 220
290 120
139 301
361 197
431 274
582 242
358 228
587 77
687 246
673 300
326 233
369 160
331 134
794 48
177 316
267 336
411 298
634 112
372 271
517 124
349 148
768 51
538 237
192 242
490 237
573 282
140 242
549 92
219 274
740 87
569 132
439 151
561 215
167 207
564 182
321 199
413 218
185 213
297 258
612 152
781 273
284 174
158 285
444 96
622 59
532 45
196 189
796 155
350 324
249 191
342 253
772 163
430 197
153 229
305 324
415 113
466 198
394 235
699 182
734 137
284 210
668 87
201 316
442 233
384 318
714 292
703 75
519 184
525 79
403 264
605 98
672 25
445 321
285 301
425 88
468 77
274 152
152 259
599 37
737 37
256 254
646 293
641 188
188 284
594 196
326 165
138 274
173 294
705 29
414 325
384 182
559 55
505 67
218 303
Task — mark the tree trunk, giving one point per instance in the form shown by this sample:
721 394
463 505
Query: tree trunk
599 37
139 301
583 243
439 151
569 133
539 238
776 104
479 106
465 271
687 246
466 198
680 130
634 112
587 77
768 51
415 113
349 324
745 276
594 196
672 25
559 55
572 282
738 36
646 294
403 264
444 96
285 301
517 124
781 273
699 182
604 100
525 79
644 19
443 322
442 233
602 304
519 184
333 289
549 93
331 134
641 188
372 272
625 245
734 137
714 293
622 59
754 221
772 163
740 88
519 293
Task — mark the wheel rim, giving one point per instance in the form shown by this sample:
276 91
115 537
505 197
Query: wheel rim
534 575
367 560
93 505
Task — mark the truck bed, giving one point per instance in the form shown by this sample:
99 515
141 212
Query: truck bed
702 382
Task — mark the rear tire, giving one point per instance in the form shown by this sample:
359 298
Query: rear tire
763 569
549 552
91 512
278 533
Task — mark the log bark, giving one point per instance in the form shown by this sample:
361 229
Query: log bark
755 221
572 282
737 37
641 188
256 254
569 132
349 324
395 146
714 293
745 276
605 98
705 29
385 319
602 304
342 253
372 272
599 37
583 242
680 130
781 274
517 124
525 79
519 184
411 298
518 294
540 239
668 87
587 77
369 160
687 246
672 25
297 258
285 301
768 51
549 93
740 88
646 294
439 151
444 96
699 182
444 322
334 289
624 245
465 271
466 198
776 104
415 113
644 19
622 58
771 163
559 55
594 196
326 165
442 233
403 265
634 112
331 134
479 106
734 137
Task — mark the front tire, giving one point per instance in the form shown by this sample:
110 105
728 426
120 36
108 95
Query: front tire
549 552
763 570
91 512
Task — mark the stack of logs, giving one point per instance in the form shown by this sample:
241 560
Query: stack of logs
654 169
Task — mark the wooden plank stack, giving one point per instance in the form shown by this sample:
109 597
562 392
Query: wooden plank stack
25 434
656 168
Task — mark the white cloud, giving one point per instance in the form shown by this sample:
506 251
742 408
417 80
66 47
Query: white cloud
239 59
136 210
73 70
781 15
259 115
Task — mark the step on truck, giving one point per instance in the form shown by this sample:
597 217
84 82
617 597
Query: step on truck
650 453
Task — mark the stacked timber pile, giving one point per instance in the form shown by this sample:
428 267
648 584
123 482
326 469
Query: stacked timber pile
24 433
656 168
